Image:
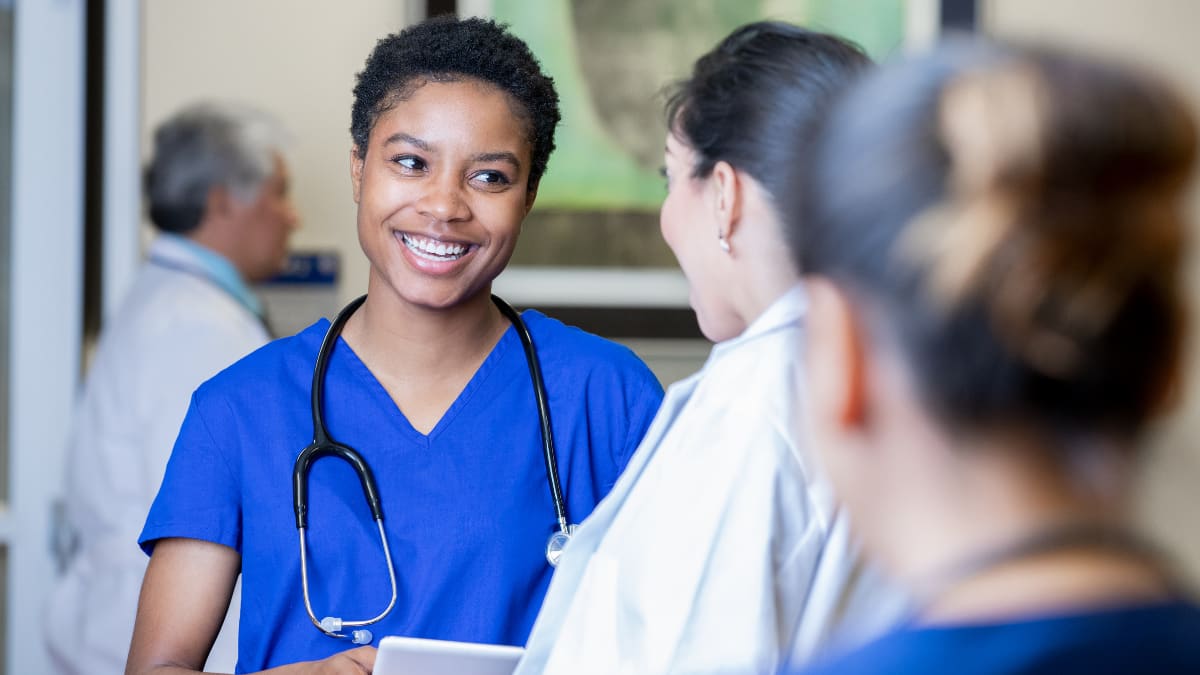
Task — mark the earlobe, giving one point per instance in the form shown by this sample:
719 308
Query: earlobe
356 169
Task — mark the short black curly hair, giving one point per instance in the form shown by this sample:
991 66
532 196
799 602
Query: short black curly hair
445 49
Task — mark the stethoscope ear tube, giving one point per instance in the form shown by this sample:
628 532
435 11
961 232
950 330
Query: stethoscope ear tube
320 434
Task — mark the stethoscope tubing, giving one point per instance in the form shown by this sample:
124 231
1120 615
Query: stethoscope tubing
387 553
549 454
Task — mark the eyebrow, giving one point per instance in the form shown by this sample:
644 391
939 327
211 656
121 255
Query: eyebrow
498 157
411 140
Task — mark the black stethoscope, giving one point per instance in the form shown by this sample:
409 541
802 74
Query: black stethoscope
323 445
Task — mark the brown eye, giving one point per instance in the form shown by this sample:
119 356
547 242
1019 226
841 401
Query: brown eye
492 178
409 162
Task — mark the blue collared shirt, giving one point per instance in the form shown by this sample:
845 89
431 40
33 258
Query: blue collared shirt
183 254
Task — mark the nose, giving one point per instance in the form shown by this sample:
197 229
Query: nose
443 201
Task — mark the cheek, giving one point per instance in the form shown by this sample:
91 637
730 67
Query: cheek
377 194
668 223
674 227
503 220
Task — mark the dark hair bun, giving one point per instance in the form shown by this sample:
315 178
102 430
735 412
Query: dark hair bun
1016 216
1064 202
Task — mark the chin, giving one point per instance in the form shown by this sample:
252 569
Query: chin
714 330
435 298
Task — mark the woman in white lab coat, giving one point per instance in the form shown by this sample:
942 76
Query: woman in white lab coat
217 191
721 548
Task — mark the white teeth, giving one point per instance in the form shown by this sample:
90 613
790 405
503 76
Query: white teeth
431 249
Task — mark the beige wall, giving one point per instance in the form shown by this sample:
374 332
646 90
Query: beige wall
1161 35
293 58
297 59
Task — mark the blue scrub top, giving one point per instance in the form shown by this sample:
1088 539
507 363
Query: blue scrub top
467 508
1163 639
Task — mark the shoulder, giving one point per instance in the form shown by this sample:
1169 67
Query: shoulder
284 362
569 348
1159 639
171 310
171 330
184 295
757 377
902 651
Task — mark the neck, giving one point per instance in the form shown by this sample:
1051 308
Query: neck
1064 567
999 536
766 272
413 342
213 239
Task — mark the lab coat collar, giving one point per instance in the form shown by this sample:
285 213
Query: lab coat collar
188 256
788 310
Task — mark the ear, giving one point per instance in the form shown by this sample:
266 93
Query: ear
218 205
836 358
728 194
356 170
531 195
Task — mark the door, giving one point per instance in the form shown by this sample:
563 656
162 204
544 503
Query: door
41 227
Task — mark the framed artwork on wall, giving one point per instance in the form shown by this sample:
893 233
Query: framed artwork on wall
590 251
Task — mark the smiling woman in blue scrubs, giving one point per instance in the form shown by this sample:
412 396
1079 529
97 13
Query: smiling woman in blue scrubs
453 123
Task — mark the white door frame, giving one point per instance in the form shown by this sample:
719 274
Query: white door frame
46 284
122 181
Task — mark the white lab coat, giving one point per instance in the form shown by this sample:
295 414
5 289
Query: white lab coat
720 549
173 331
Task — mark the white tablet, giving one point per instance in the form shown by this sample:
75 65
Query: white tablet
405 656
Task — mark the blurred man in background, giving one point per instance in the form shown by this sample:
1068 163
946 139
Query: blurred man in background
218 196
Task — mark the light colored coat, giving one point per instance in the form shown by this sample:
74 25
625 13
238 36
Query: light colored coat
174 330
720 549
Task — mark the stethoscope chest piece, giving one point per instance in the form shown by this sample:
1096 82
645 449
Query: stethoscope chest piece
557 542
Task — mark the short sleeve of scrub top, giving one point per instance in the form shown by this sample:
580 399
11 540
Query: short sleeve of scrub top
467 507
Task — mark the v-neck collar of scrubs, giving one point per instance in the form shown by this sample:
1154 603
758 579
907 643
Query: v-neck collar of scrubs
402 424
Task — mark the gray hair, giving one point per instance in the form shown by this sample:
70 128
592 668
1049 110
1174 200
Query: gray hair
204 146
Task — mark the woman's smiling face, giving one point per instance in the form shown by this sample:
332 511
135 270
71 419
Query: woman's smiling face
442 191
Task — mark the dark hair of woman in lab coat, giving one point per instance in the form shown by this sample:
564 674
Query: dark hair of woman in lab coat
757 95
994 241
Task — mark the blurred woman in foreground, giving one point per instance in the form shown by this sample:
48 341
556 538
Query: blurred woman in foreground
994 238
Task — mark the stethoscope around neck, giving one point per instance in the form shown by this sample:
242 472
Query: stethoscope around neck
323 445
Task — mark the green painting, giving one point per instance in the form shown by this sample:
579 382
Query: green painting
610 60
